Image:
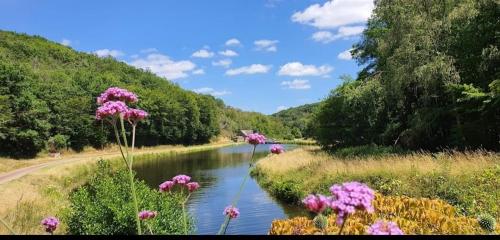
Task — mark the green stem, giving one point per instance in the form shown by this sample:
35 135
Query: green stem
117 135
8 227
224 225
184 214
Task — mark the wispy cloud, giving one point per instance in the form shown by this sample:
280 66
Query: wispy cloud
297 84
202 53
342 33
109 53
281 108
345 55
198 72
165 67
211 91
228 53
223 63
266 45
252 69
297 69
66 42
233 42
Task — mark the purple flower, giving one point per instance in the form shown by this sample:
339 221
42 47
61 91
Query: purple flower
181 179
166 186
146 214
50 224
116 94
135 115
277 149
111 109
350 197
384 228
231 211
316 203
255 138
192 186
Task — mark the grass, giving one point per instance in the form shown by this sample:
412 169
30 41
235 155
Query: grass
24 202
467 180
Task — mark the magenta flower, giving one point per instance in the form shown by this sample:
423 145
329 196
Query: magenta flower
50 224
166 186
255 138
277 149
116 94
231 211
316 203
111 109
146 214
350 197
384 228
135 115
192 186
181 179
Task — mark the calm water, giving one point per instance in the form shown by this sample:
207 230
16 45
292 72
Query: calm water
220 172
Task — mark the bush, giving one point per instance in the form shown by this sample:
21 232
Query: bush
57 143
104 206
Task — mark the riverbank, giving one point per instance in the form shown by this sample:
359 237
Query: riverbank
469 181
24 201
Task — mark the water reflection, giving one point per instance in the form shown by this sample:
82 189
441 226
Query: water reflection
219 172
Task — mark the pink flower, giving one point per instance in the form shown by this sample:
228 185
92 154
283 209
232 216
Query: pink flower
146 214
135 115
255 138
277 149
231 211
192 186
384 228
50 224
111 109
116 94
316 203
349 197
181 179
166 186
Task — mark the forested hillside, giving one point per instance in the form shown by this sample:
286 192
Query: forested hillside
297 119
430 79
47 89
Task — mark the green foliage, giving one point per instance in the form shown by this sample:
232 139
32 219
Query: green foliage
297 119
57 142
487 222
430 79
104 206
365 150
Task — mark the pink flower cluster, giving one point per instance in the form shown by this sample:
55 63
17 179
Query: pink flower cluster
255 138
135 115
316 203
182 180
350 197
111 109
116 94
277 149
231 211
384 228
50 224
146 214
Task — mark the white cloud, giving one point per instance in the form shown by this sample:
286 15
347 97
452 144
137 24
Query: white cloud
149 50
223 63
335 13
211 91
252 69
66 42
298 69
281 108
233 42
203 53
228 53
345 55
198 72
266 45
163 66
297 84
343 32
109 53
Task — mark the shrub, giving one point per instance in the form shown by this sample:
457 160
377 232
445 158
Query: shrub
104 206
57 143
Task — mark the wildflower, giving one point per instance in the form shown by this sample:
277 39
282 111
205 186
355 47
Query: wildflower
181 179
192 186
111 109
135 115
50 224
350 197
255 138
166 186
116 94
277 149
384 228
316 203
146 214
231 211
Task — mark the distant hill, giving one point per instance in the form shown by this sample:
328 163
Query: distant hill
297 118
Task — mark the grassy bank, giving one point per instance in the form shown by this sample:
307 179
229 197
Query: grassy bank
469 181
25 201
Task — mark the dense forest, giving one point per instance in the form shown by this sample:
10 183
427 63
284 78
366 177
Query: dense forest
430 79
297 119
48 90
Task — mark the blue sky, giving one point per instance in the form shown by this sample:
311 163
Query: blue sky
259 55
